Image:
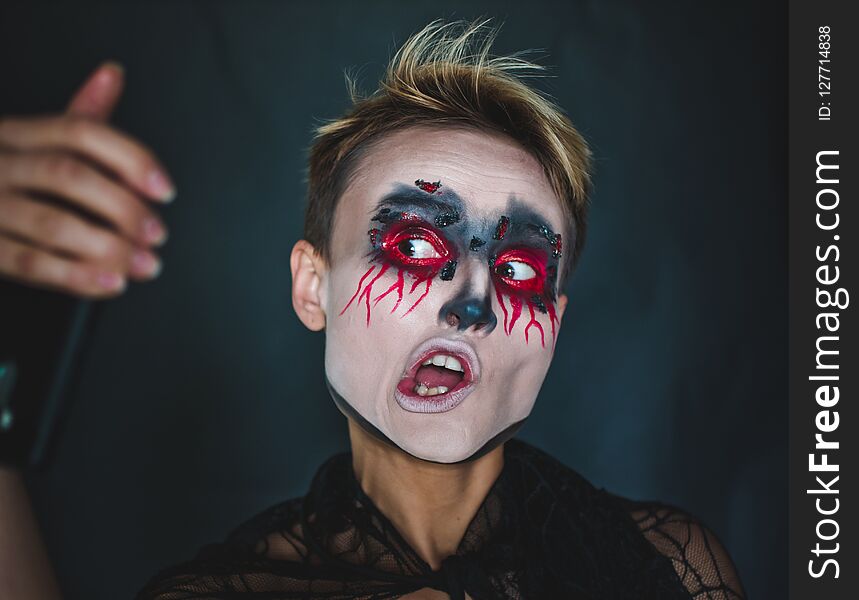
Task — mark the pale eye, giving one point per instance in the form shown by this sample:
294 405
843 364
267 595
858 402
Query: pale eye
418 248
516 270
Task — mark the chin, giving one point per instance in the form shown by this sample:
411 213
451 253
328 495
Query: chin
437 442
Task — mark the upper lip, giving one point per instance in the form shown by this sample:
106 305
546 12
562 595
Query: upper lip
458 348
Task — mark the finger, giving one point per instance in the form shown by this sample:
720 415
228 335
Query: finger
99 94
70 178
27 264
57 230
117 152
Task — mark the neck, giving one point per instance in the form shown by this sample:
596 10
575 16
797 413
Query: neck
430 504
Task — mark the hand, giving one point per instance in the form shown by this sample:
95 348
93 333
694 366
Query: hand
79 160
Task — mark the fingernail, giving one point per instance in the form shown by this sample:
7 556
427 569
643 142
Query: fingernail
104 77
111 281
153 231
145 263
160 186
115 65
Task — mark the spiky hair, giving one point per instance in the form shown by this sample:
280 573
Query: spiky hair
444 75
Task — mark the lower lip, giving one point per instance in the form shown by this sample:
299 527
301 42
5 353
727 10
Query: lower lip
413 402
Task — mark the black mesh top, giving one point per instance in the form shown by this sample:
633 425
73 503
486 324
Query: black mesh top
542 531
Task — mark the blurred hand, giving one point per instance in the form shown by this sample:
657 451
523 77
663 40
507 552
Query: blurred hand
80 160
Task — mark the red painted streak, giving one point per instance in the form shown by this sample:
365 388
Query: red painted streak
355 295
364 292
369 290
426 291
503 308
552 318
535 323
398 286
516 311
516 303
417 282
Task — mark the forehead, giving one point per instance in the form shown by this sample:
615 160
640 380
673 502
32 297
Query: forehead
486 171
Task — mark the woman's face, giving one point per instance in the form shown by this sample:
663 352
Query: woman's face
441 301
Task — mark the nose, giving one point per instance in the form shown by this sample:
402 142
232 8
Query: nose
470 311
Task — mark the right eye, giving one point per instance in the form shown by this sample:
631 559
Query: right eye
516 270
521 269
417 248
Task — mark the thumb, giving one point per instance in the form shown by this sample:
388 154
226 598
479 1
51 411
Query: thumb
98 96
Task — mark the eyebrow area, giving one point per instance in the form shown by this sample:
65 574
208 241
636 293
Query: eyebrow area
408 198
527 226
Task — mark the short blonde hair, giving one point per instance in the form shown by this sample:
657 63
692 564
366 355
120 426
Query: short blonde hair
445 75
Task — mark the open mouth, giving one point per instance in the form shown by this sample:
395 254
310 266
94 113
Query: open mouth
440 378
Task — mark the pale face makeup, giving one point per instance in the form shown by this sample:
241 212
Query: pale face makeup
441 300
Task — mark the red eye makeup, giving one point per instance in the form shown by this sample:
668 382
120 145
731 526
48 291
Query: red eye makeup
413 247
522 276
413 244
523 269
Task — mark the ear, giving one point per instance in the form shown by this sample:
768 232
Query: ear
560 306
308 269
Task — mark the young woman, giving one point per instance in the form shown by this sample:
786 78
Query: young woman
445 213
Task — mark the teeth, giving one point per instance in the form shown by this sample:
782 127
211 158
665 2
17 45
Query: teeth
443 360
422 390
452 364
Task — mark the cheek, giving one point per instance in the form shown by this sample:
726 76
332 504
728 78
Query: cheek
356 354
515 375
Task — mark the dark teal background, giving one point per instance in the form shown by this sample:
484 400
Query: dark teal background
201 400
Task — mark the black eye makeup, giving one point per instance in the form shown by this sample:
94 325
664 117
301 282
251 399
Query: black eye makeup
419 232
525 254
524 276
410 242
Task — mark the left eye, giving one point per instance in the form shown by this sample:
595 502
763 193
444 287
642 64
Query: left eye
418 248
516 270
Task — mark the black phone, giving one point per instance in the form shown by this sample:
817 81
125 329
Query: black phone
42 335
